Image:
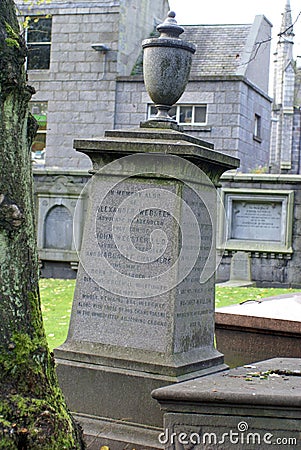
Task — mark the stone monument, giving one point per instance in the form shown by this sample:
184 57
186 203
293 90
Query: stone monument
240 271
143 310
253 407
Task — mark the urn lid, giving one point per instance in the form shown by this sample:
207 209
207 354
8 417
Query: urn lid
169 35
170 28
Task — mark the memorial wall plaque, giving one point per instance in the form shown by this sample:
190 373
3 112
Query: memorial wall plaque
260 221
257 220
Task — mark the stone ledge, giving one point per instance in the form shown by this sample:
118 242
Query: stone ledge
260 177
252 407
237 388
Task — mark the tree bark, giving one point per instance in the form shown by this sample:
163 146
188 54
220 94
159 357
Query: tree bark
33 414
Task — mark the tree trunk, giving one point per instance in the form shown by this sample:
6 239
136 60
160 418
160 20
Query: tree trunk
33 414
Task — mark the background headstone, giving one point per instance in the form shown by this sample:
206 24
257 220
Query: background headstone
240 267
58 228
240 271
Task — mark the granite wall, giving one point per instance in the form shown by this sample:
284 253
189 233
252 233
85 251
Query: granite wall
231 107
80 84
270 267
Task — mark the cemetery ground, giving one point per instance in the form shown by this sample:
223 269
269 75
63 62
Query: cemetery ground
57 297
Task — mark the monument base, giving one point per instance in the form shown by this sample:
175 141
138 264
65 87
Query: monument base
117 435
137 323
237 283
114 404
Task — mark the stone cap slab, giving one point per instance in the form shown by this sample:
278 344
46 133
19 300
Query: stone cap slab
271 383
280 314
154 141
260 325
119 143
237 283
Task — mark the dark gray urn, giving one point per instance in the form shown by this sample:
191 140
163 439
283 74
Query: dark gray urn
166 66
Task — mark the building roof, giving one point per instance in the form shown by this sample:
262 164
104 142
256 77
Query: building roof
287 23
219 48
219 52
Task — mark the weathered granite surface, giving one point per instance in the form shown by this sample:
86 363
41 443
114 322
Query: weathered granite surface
251 407
142 319
255 330
240 271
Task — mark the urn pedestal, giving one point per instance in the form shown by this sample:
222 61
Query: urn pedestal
143 310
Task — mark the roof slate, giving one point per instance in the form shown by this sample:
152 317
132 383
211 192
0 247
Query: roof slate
219 48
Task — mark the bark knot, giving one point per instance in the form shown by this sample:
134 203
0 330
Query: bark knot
11 216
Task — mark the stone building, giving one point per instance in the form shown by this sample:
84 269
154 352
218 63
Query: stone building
271 233
77 50
74 68
85 63
286 115
227 88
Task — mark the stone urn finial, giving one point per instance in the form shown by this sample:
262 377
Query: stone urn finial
166 66
170 28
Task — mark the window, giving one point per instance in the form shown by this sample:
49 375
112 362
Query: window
257 128
39 111
185 114
38 39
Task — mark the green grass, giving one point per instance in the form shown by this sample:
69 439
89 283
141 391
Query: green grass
56 299
57 296
225 296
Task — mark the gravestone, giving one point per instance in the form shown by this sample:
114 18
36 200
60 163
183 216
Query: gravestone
240 267
141 318
240 271
143 310
58 228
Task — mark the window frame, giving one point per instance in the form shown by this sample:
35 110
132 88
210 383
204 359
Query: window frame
37 44
257 130
177 116
41 131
